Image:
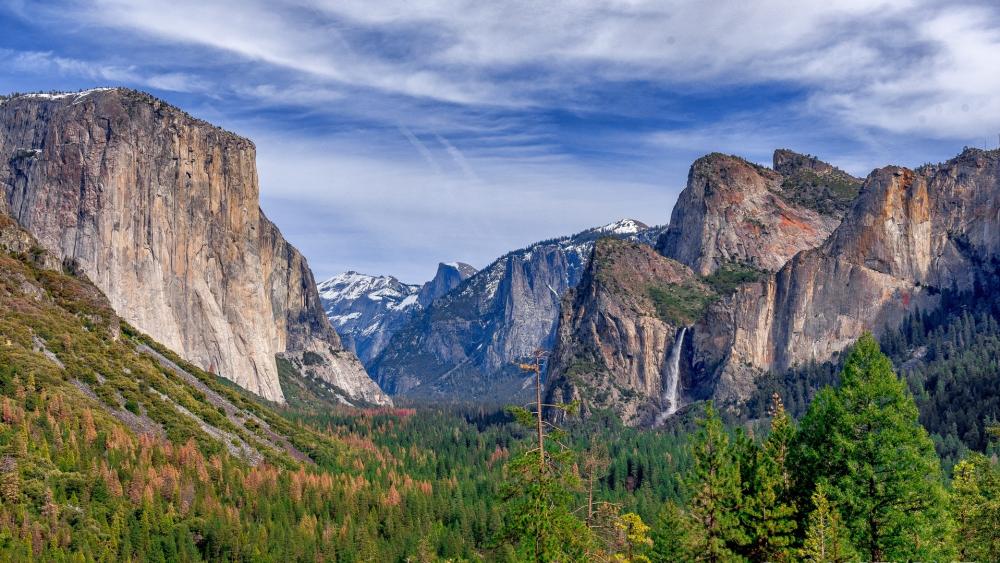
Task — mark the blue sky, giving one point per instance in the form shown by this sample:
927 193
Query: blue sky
395 134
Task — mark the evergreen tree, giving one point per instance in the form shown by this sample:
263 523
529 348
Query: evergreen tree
863 439
670 540
539 491
826 537
714 486
976 507
770 514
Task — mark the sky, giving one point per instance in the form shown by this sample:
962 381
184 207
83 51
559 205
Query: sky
394 134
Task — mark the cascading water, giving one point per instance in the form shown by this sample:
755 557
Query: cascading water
673 377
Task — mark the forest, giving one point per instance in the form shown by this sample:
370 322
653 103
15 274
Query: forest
113 448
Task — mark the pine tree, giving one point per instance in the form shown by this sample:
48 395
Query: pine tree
864 440
976 507
769 512
539 491
715 488
670 541
826 537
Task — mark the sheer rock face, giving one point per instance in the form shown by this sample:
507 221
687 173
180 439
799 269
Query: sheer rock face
367 310
908 235
447 278
613 344
733 211
160 210
466 344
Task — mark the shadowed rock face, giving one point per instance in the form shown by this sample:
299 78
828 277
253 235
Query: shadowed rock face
464 346
908 234
447 278
367 310
161 211
617 329
735 212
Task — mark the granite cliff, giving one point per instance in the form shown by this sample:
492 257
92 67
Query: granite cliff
621 333
736 212
160 210
464 345
909 234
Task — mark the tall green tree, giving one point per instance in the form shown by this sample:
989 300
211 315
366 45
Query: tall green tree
539 491
715 492
768 509
863 440
976 507
670 540
826 537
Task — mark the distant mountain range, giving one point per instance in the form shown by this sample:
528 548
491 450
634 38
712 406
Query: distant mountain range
462 343
760 272
367 310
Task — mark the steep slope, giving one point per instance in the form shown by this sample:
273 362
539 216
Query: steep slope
367 310
448 277
909 235
621 333
464 345
161 211
735 212
112 448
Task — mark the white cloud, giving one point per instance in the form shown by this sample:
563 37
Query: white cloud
49 64
896 65
388 213
440 146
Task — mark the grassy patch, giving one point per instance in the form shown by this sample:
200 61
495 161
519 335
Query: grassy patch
727 278
679 304
830 194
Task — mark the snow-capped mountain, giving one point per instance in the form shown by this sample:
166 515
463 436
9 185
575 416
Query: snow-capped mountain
464 345
367 310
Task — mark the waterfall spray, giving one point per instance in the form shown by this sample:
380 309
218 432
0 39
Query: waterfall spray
672 379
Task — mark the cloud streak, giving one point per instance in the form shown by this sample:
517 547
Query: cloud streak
397 133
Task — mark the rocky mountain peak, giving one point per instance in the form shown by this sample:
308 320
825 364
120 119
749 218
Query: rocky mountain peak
909 235
735 212
617 329
449 275
814 184
623 227
161 211
787 163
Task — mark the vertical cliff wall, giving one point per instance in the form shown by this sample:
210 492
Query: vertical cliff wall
618 328
909 234
161 211
736 212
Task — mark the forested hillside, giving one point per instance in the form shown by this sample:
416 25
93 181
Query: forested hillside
112 448
949 357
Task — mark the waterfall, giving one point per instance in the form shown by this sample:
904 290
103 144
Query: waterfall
672 379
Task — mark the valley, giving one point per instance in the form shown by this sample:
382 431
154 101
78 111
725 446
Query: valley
795 354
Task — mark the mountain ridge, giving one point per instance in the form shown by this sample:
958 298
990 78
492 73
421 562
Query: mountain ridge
161 211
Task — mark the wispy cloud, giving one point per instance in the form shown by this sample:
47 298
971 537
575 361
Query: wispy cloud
424 129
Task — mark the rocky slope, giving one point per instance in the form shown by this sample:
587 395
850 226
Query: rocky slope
367 310
909 234
464 345
736 212
161 211
621 333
